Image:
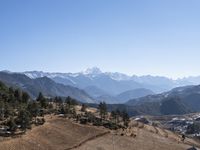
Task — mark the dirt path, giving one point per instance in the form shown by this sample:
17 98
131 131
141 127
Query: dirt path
144 141
88 140
147 138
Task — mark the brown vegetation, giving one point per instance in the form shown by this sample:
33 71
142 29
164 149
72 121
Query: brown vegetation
55 134
61 134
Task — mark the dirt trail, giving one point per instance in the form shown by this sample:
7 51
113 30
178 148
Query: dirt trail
147 138
87 140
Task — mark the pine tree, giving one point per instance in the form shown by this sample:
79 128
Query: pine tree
125 118
102 110
42 100
12 125
2 109
18 95
114 116
24 119
62 109
70 101
34 109
118 114
25 97
83 108
8 110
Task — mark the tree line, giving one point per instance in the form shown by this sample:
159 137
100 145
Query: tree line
18 112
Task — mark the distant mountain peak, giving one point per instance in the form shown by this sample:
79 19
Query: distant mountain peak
93 70
6 71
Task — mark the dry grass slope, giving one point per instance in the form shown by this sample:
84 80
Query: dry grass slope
55 134
147 138
62 134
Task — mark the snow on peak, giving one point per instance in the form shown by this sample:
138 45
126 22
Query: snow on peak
118 76
93 70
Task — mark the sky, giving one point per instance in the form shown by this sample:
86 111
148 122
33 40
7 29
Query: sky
156 37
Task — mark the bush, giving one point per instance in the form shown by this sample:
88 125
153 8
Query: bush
97 122
12 125
24 119
111 125
83 121
40 121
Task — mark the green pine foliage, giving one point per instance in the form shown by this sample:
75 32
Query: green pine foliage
17 110
102 110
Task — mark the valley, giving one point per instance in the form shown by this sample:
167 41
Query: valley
187 124
99 75
68 117
67 125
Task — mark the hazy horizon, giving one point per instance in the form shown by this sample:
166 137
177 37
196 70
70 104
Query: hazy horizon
82 71
133 37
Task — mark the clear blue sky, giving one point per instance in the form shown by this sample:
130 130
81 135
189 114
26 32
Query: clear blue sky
158 37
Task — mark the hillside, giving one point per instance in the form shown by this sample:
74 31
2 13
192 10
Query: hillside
131 94
45 85
95 91
147 138
68 130
108 99
62 134
123 97
177 101
56 133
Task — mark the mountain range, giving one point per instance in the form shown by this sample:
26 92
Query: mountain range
50 88
93 85
45 85
114 83
107 86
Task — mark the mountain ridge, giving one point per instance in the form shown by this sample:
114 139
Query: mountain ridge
179 100
94 72
117 82
106 85
45 85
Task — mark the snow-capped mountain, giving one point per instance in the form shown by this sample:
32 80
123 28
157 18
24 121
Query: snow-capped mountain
99 84
118 76
92 71
113 83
